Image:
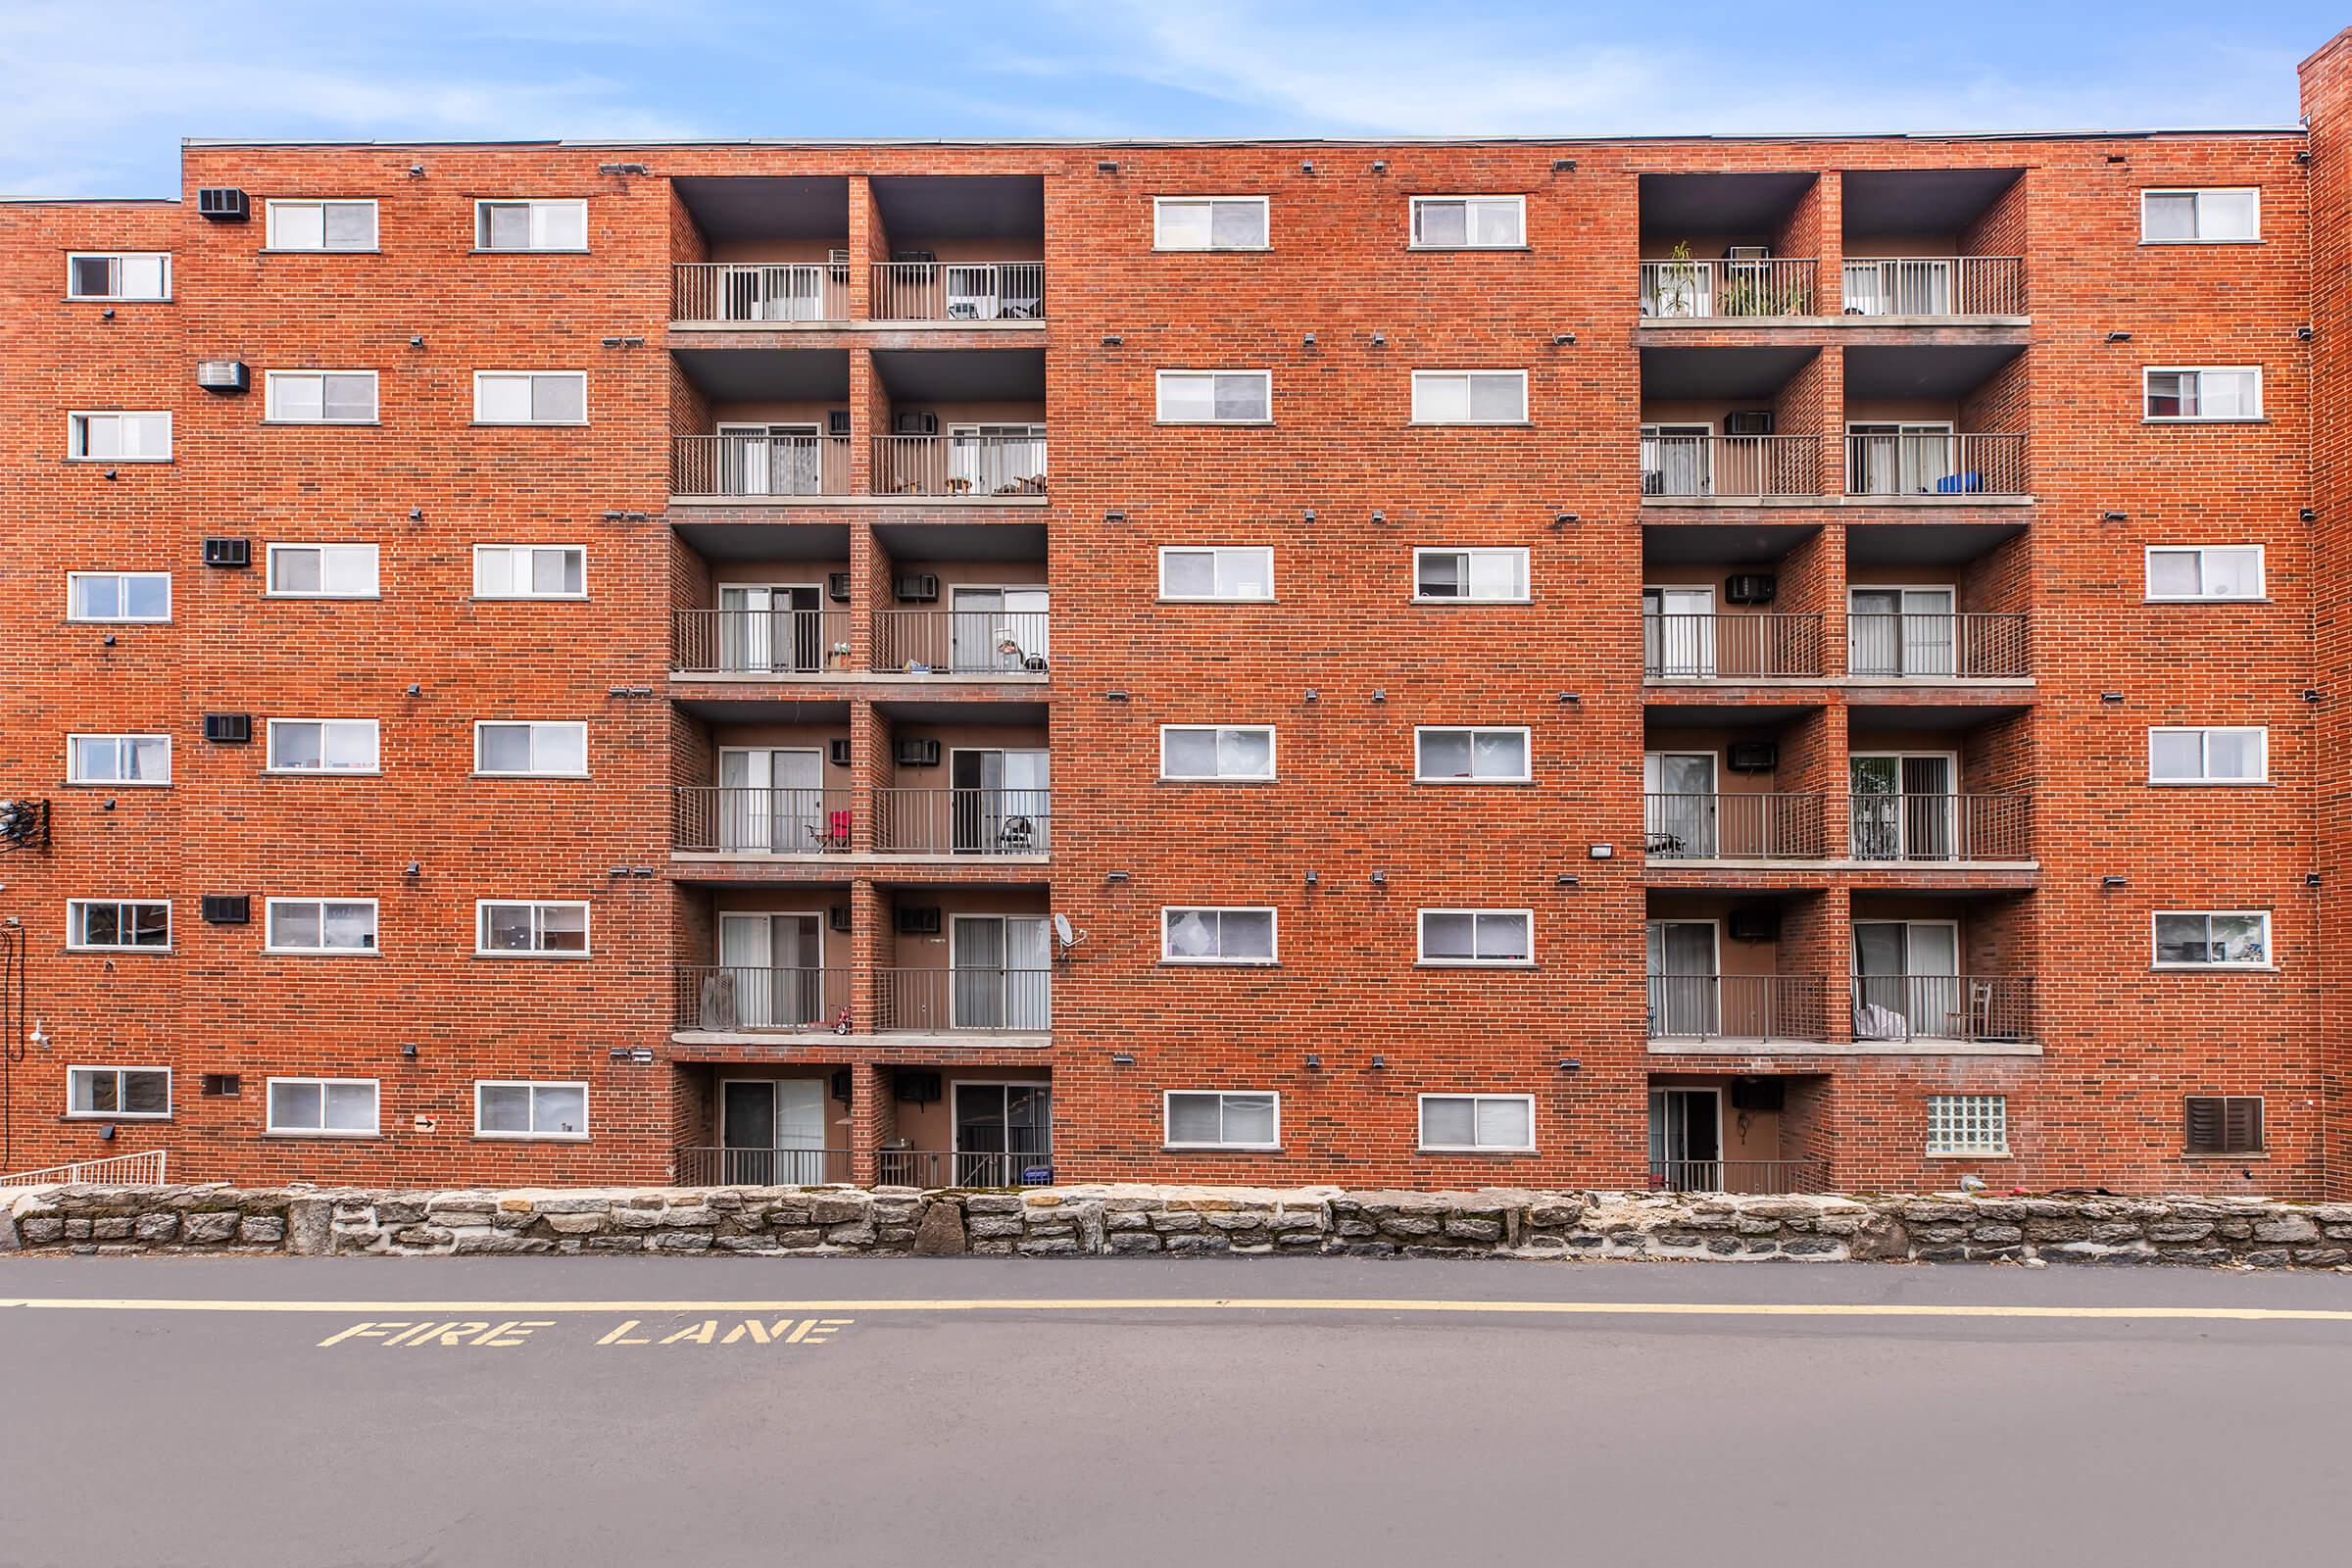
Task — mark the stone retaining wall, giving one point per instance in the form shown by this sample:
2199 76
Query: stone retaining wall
1087 1221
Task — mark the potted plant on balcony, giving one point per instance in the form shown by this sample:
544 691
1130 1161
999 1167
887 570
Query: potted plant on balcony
838 657
1675 286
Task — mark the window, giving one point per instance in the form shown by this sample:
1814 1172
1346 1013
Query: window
118 1092
530 1110
1209 222
1469 222
323 571
330 1107
117 596
1494 576
117 759
1216 397
1214 1120
530 572
2200 216
1216 752
324 745
2213 939
114 437
1478 1122
1470 755
549 930
1477 936
1469 397
107 924
2222 1124
1216 936
531 397
526 748
1216 573
119 276
2208 755
2205 394
2205 571
321 925
319 397
321 225
1968 1124
533 226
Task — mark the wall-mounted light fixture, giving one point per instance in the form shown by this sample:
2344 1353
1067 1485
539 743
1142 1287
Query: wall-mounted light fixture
1601 851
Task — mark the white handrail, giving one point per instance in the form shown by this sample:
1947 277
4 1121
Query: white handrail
142 1169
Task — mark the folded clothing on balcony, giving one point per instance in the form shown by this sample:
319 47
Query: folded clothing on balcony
1874 1022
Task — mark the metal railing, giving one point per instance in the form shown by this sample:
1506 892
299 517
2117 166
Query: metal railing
1752 1177
743 464
733 820
1761 826
959 465
963 821
1935 463
142 1169
1941 827
1943 1007
760 291
761 1167
1738 1007
1690 290
732 998
958 291
1713 647
927 1167
1933 285
1973 645
1731 466
989 1000
960 642
759 641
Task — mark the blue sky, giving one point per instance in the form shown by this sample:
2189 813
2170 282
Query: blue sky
98 108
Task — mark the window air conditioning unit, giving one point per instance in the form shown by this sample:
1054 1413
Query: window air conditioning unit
1748 422
915 1088
918 587
1748 253
914 256
1752 757
837 918
1750 587
914 421
228 908
841 1085
1753 925
224 1084
229 552
918 920
223 204
918 754
228 729
837 422
837 587
839 752
1758 1093
223 375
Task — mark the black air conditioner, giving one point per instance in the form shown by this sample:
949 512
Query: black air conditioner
837 587
224 1084
229 552
917 920
837 918
228 908
1748 422
1750 588
837 422
223 204
228 729
914 421
917 752
841 1085
915 1088
917 587
839 752
1753 925
1758 1093
1752 757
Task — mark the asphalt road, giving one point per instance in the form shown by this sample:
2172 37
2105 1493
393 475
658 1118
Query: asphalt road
983 1413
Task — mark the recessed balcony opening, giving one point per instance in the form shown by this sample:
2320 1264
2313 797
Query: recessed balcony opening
771 423
1932 244
1928 969
1931 786
965 961
965 601
1733 603
1941 423
963 249
1748 1133
963 424
1731 424
767 1124
966 781
1745 968
1729 246
775 250
1741 784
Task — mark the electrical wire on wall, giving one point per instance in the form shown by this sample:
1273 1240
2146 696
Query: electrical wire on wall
15 989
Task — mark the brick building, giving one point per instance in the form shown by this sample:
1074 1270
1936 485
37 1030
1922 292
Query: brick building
1755 662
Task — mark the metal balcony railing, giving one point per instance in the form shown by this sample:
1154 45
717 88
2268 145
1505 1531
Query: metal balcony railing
959 465
1731 466
926 1167
1734 827
732 998
756 292
1689 290
989 1000
761 1167
1941 827
958 291
963 821
960 642
1923 646
1933 285
726 819
755 466
1935 463
759 641
1943 1007
1752 1177
1738 1007
1711 647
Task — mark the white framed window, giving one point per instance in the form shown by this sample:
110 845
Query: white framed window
2214 215
127 759
1224 753
1469 397
1223 1118
1482 576
323 571
536 224
324 745
1503 937
506 928
119 1094
1216 397
109 925
1219 572
514 1108
2208 753
1469 222
1217 935
117 596
320 925
2190 573
119 276
2213 939
320 225
324 1107
114 435
2180 395
530 572
531 397
1209 223
531 747
1481 754
1968 1124
318 397
1478 1123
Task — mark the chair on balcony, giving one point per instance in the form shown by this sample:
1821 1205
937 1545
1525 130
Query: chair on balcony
1953 484
1016 835
831 834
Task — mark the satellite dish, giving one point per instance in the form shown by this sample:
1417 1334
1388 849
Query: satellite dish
1062 932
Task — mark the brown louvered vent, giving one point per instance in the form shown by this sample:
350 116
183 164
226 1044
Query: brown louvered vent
2225 1124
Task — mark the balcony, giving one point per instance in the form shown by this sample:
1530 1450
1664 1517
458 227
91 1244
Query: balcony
985 999
924 1167
1738 1007
736 999
960 642
1933 287
1977 1008
963 821
1752 1177
760 293
759 465
759 641
815 643
981 822
1941 828
957 291
1917 645
1752 647
1735 467
1685 290
761 1167
1901 463
1746 826
962 466
728 819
